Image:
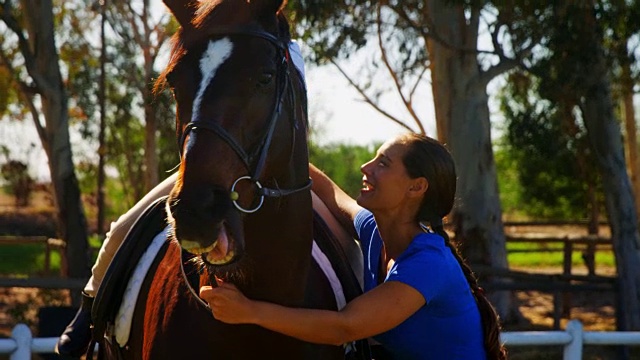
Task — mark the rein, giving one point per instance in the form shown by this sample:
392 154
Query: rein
283 84
188 283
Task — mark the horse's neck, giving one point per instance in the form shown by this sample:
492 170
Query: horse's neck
281 250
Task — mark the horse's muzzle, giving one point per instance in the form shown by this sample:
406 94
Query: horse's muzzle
213 231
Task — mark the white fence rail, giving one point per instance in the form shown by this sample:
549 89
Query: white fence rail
22 344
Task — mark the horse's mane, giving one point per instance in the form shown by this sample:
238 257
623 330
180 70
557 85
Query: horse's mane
211 15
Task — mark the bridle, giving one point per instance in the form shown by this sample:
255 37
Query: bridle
258 157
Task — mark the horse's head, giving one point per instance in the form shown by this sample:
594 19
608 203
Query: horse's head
241 123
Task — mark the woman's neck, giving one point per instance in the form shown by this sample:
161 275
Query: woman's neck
397 234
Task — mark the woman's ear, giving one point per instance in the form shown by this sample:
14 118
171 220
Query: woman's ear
418 187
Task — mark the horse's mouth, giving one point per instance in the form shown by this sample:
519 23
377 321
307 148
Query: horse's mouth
220 252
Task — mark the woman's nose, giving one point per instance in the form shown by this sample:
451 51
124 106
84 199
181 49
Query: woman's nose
364 168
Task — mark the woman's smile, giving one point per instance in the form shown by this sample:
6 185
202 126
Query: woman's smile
366 186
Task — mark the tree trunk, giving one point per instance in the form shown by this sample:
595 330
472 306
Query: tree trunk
102 146
631 138
605 136
43 67
150 141
462 114
151 123
593 225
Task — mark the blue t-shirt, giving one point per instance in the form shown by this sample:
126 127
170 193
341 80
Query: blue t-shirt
448 326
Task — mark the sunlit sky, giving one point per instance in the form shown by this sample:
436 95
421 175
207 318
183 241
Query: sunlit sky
339 114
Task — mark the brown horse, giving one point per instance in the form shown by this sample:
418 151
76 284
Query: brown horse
241 208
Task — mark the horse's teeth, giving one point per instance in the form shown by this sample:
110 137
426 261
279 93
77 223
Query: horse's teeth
222 261
195 248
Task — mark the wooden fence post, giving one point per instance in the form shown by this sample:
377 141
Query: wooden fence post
566 297
589 256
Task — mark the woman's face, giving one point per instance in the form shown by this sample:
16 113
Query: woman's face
385 180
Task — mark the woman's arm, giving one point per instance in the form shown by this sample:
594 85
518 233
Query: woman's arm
342 206
374 312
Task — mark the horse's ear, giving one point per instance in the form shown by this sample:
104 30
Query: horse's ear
183 10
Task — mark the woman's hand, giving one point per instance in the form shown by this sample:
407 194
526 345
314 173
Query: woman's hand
228 304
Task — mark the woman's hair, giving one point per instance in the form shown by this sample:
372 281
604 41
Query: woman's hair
426 157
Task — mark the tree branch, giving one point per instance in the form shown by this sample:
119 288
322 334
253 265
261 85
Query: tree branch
161 35
385 60
26 92
23 44
368 99
418 80
132 21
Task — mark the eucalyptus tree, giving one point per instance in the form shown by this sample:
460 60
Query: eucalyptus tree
577 65
622 44
30 59
584 52
554 165
538 97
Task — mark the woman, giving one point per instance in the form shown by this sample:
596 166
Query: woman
421 300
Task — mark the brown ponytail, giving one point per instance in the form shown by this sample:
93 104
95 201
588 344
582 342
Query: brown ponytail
490 319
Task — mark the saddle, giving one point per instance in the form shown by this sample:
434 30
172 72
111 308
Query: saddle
153 221
109 296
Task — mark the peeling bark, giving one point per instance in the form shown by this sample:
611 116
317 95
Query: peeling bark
43 66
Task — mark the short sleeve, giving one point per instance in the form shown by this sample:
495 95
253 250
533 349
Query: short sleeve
364 223
371 245
422 270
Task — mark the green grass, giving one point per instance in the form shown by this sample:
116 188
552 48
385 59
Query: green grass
29 259
533 254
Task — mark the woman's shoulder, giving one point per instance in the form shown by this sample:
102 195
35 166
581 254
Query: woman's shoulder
363 218
428 249
428 241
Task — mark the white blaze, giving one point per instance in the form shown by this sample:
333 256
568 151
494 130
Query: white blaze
216 54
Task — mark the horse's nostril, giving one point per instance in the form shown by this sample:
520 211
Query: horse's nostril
209 205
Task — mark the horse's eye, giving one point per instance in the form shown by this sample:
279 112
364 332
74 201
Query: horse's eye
265 79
